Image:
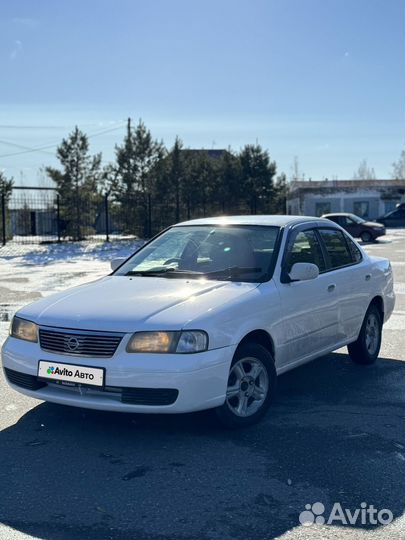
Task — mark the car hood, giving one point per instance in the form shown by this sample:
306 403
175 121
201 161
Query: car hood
125 304
373 224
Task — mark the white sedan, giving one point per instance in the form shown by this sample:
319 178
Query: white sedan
204 316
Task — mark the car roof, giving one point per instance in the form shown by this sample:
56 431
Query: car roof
270 220
338 214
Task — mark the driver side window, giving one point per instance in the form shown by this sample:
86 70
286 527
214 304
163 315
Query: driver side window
347 221
306 249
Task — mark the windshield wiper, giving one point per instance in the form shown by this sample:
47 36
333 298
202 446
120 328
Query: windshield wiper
234 271
230 272
164 272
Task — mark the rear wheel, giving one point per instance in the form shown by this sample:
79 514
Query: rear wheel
365 350
251 386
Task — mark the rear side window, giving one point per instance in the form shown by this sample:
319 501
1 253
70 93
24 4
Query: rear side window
336 219
305 249
336 248
344 220
354 250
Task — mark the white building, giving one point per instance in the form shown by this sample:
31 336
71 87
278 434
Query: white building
366 198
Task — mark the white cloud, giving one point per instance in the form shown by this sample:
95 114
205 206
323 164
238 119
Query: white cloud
17 49
26 21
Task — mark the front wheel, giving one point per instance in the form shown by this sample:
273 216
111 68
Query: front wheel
251 387
365 350
366 236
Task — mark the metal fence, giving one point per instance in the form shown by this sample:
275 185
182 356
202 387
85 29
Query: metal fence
39 215
29 216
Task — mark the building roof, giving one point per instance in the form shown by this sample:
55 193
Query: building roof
319 185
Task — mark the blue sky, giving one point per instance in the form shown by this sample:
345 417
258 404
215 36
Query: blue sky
323 80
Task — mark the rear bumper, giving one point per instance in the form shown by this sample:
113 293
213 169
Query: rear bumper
200 379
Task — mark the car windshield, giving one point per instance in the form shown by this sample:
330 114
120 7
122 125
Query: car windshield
357 219
236 253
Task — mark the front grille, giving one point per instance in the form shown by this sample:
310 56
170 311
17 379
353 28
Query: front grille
149 396
30 382
78 343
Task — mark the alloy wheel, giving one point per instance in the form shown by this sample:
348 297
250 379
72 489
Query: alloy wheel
372 333
248 386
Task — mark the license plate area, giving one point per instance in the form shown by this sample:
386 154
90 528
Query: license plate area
71 374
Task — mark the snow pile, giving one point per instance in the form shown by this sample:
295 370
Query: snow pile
32 254
28 272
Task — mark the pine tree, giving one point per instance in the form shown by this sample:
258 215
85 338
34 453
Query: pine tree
135 177
279 199
199 183
257 177
207 184
175 175
6 185
228 189
77 184
6 188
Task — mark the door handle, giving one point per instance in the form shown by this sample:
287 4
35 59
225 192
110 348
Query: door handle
367 277
331 287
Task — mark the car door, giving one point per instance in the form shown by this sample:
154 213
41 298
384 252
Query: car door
309 308
350 226
348 274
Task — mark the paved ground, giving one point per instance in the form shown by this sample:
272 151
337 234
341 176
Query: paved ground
335 434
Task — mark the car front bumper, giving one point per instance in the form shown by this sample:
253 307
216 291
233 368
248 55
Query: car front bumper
379 232
200 379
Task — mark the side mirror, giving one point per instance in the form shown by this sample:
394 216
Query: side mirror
115 263
303 272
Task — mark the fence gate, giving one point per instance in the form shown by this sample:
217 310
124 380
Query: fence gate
37 215
29 215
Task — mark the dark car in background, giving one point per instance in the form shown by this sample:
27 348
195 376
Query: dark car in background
358 227
395 218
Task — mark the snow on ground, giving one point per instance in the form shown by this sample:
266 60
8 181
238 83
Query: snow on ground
29 272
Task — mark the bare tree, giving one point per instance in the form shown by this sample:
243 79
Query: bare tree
398 167
296 174
364 172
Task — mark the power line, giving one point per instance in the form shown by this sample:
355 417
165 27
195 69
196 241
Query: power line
54 145
23 147
15 126
47 126
107 130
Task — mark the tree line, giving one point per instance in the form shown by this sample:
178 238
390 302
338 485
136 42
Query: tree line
150 187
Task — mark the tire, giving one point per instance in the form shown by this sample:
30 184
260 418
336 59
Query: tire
251 387
365 350
366 236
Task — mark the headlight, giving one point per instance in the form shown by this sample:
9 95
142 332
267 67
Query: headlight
23 329
189 341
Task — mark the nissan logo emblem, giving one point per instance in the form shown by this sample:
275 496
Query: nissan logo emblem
72 343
